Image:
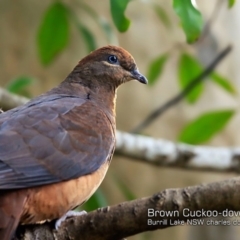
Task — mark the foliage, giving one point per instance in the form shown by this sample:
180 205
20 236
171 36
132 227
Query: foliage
231 3
188 69
191 19
155 68
205 126
118 8
53 33
19 85
53 36
223 82
54 30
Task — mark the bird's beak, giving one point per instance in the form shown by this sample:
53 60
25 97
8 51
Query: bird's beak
138 76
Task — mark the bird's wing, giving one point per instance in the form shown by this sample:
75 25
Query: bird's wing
52 141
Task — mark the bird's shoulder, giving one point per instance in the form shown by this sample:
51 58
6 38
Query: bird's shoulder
53 139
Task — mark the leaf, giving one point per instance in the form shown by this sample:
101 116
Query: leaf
155 69
53 33
19 85
96 201
205 127
188 69
118 8
163 16
231 3
223 82
88 38
190 17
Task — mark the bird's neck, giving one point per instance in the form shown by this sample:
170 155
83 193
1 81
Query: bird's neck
106 100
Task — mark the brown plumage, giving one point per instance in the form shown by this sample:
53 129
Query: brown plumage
55 150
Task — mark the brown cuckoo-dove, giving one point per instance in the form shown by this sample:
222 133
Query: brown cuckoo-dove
55 150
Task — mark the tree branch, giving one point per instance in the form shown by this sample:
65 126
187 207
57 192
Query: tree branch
9 100
174 206
166 153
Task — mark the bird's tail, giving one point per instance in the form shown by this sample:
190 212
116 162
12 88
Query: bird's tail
11 207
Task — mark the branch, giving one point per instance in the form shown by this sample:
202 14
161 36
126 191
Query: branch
166 153
9 100
202 76
167 208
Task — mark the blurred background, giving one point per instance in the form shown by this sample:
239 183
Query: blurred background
36 56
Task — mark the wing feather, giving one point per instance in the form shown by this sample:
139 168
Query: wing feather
43 143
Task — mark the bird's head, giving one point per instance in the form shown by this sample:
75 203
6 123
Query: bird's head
111 66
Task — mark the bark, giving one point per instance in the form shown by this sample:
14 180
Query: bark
129 218
161 152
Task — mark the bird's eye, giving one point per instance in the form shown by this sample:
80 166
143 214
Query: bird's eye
112 59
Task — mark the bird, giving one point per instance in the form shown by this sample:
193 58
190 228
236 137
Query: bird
56 149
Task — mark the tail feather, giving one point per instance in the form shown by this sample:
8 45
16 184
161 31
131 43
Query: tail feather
11 207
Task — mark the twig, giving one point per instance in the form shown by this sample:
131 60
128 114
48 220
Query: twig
9 100
213 17
183 93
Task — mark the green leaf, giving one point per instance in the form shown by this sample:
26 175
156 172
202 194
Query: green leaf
163 16
155 69
118 8
205 127
190 17
223 82
88 38
96 201
188 69
19 85
53 33
231 3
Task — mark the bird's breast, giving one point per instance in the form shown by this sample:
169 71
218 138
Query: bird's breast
53 201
